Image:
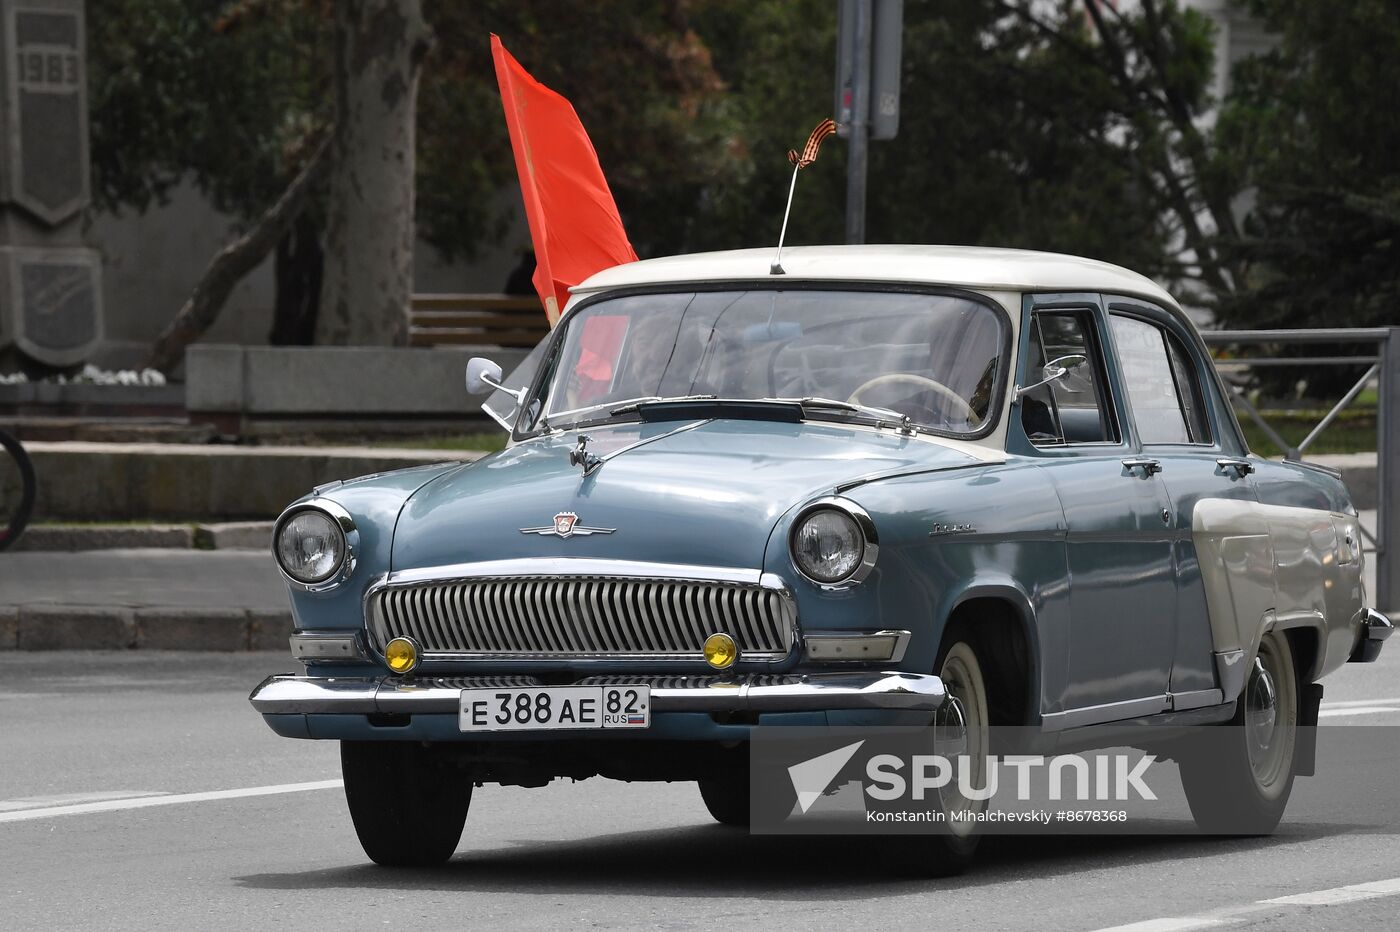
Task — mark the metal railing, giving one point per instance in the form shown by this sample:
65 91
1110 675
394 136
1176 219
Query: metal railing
1384 367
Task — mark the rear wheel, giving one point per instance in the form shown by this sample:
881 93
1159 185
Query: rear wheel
407 801
727 798
1238 776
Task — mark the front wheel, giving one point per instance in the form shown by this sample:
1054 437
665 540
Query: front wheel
727 798
960 730
407 801
1238 776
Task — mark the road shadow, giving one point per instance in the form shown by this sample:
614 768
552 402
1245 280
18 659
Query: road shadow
698 860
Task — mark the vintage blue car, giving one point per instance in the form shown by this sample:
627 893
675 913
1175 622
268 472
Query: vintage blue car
893 483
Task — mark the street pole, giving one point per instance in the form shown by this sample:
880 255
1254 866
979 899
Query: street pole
1387 596
859 125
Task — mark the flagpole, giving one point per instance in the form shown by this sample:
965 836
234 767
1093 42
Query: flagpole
777 267
799 160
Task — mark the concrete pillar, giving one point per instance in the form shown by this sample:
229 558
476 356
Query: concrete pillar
50 284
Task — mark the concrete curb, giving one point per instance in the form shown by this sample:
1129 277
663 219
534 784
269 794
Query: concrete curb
234 535
71 537
84 627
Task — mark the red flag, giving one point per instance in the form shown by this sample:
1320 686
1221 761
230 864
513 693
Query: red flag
573 219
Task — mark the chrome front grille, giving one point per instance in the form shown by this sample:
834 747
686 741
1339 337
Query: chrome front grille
592 617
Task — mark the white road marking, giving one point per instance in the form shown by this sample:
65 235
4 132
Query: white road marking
1335 896
116 805
63 799
1357 710
1354 703
1183 924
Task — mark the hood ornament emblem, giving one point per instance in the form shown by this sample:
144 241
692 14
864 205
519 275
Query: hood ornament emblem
566 525
579 456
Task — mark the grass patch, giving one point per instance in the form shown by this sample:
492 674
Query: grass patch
1354 431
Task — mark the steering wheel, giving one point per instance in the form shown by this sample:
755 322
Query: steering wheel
960 406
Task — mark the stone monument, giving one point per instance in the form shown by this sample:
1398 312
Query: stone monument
50 285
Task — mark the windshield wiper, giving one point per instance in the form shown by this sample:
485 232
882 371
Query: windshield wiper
881 415
614 408
631 406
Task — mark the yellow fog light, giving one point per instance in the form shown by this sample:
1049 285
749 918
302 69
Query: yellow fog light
401 654
721 651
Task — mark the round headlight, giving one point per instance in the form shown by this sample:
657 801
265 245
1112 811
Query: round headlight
828 545
310 546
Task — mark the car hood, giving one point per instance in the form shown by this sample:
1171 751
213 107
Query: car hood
704 493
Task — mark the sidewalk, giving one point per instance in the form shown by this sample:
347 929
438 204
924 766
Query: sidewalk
153 599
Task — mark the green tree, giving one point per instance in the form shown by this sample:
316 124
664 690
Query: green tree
230 96
643 84
1023 124
1312 127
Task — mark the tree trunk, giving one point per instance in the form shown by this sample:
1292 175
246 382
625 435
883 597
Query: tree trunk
379 50
233 262
298 268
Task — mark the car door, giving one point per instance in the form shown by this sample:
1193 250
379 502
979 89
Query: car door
1184 426
1122 586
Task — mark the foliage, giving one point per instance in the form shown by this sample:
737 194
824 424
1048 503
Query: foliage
226 95
640 78
1053 124
1312 127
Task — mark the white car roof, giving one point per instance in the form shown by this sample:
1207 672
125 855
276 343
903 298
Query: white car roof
978 268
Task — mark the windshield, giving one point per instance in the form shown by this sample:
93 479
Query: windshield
933 358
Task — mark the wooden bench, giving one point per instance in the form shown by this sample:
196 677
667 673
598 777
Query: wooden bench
476 320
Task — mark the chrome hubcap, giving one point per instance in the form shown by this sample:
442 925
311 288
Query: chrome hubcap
950 728
1261 711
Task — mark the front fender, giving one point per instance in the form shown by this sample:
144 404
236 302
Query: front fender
993 531
374 503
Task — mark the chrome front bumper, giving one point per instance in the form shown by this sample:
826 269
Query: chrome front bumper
857 690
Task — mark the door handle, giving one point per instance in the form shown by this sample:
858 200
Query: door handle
1242 468
1149 467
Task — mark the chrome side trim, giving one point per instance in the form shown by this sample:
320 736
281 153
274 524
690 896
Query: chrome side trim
301 695
1196 699
347 528
1108 712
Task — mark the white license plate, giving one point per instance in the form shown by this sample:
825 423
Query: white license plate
540 708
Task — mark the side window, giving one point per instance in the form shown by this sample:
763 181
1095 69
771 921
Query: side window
1166 396
1072 409
1188 388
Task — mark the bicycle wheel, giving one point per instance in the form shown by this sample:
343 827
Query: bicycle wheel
17 487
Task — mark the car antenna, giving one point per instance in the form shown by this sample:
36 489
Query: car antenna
809 155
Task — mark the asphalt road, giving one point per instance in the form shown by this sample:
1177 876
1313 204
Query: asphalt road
120 808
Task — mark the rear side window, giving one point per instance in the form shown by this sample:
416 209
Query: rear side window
1163 383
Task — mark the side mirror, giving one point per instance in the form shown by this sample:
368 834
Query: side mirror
483 376
1054 370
